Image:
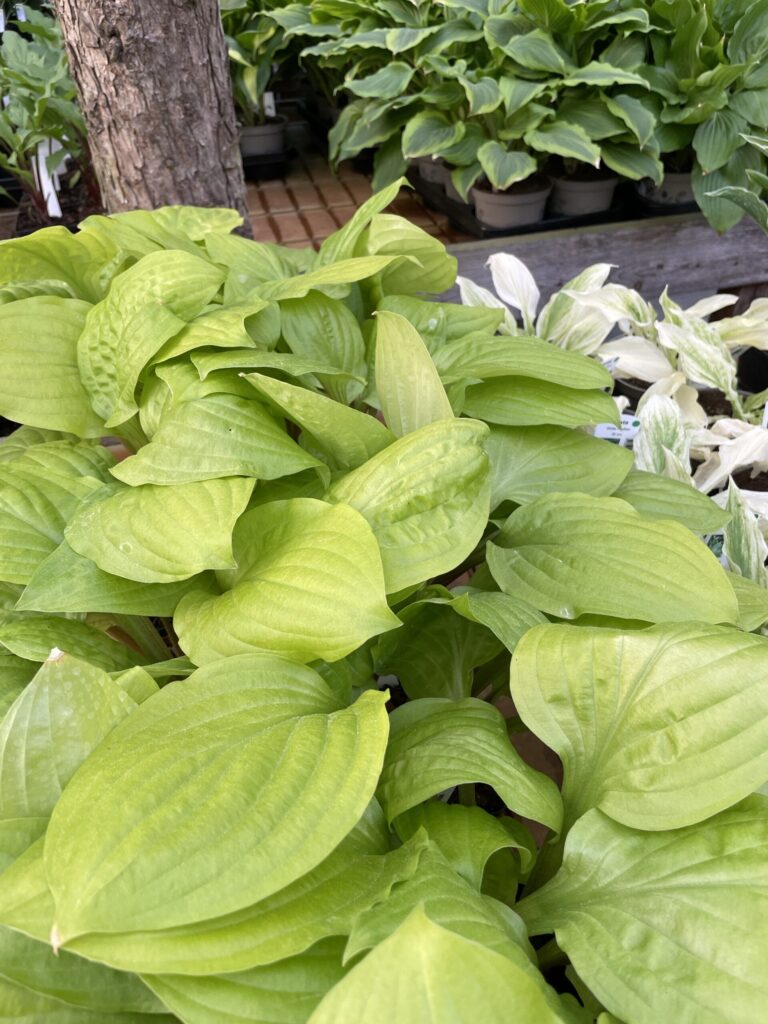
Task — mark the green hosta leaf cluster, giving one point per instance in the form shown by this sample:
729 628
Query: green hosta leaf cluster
497 87
284 690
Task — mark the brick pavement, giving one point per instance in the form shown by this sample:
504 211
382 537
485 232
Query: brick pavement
310 203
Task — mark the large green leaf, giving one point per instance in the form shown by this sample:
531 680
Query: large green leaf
407 383
426 498
33 638
15 673
145 307
665 926
441 322
308 584
216 436
84 264
429 133
274 783
643 697
660 497
478 357
428 267
325 329
347 437
282 993
564 139
423 973
17 836
19 1004
68 582
158 534
39 492
435 653
70 979
343 272
572 554
467 836
59 719
220 327
527 462
451 902
436 744
503 167
507 617
523 401
324 902
41 383
753 602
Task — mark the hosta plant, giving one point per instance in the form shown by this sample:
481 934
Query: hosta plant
260 758
674 358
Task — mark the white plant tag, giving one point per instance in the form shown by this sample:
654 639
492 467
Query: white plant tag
269 104
765 417
623 435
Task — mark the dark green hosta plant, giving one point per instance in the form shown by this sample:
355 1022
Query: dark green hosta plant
258 759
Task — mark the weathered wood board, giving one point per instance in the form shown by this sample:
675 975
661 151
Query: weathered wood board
682 251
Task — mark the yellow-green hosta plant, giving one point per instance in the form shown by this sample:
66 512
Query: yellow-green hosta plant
258 756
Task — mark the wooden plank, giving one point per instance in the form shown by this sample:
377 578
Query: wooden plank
682 251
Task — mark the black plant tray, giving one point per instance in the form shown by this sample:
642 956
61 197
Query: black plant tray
261 168
626 206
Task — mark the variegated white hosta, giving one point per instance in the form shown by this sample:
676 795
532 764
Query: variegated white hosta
744 543
653 348
663 444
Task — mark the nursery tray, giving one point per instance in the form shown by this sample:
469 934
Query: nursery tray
626 206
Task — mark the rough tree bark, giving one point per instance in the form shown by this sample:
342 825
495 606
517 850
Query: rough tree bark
154 84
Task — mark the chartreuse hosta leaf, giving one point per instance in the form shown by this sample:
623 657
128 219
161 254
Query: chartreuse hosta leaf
275 776
663 738
424 973
507 617
324 330
145 307
22 1004
467 836
41 384
217 436
17 836
418 262
308 584
345 436
426 498
441 322
753 602
52 727
482 357
660 497
83 263
207 362
39 492
572 554
324 902
34 637
435 653
68 582
523 401
450 901
220 327
156 534
26 904
15 673
70 979
407 383
285 992
527 462
344 272
436 744
665 926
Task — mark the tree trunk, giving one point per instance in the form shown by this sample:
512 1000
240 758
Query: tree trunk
153 79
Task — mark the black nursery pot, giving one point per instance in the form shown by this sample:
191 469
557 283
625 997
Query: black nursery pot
752 370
